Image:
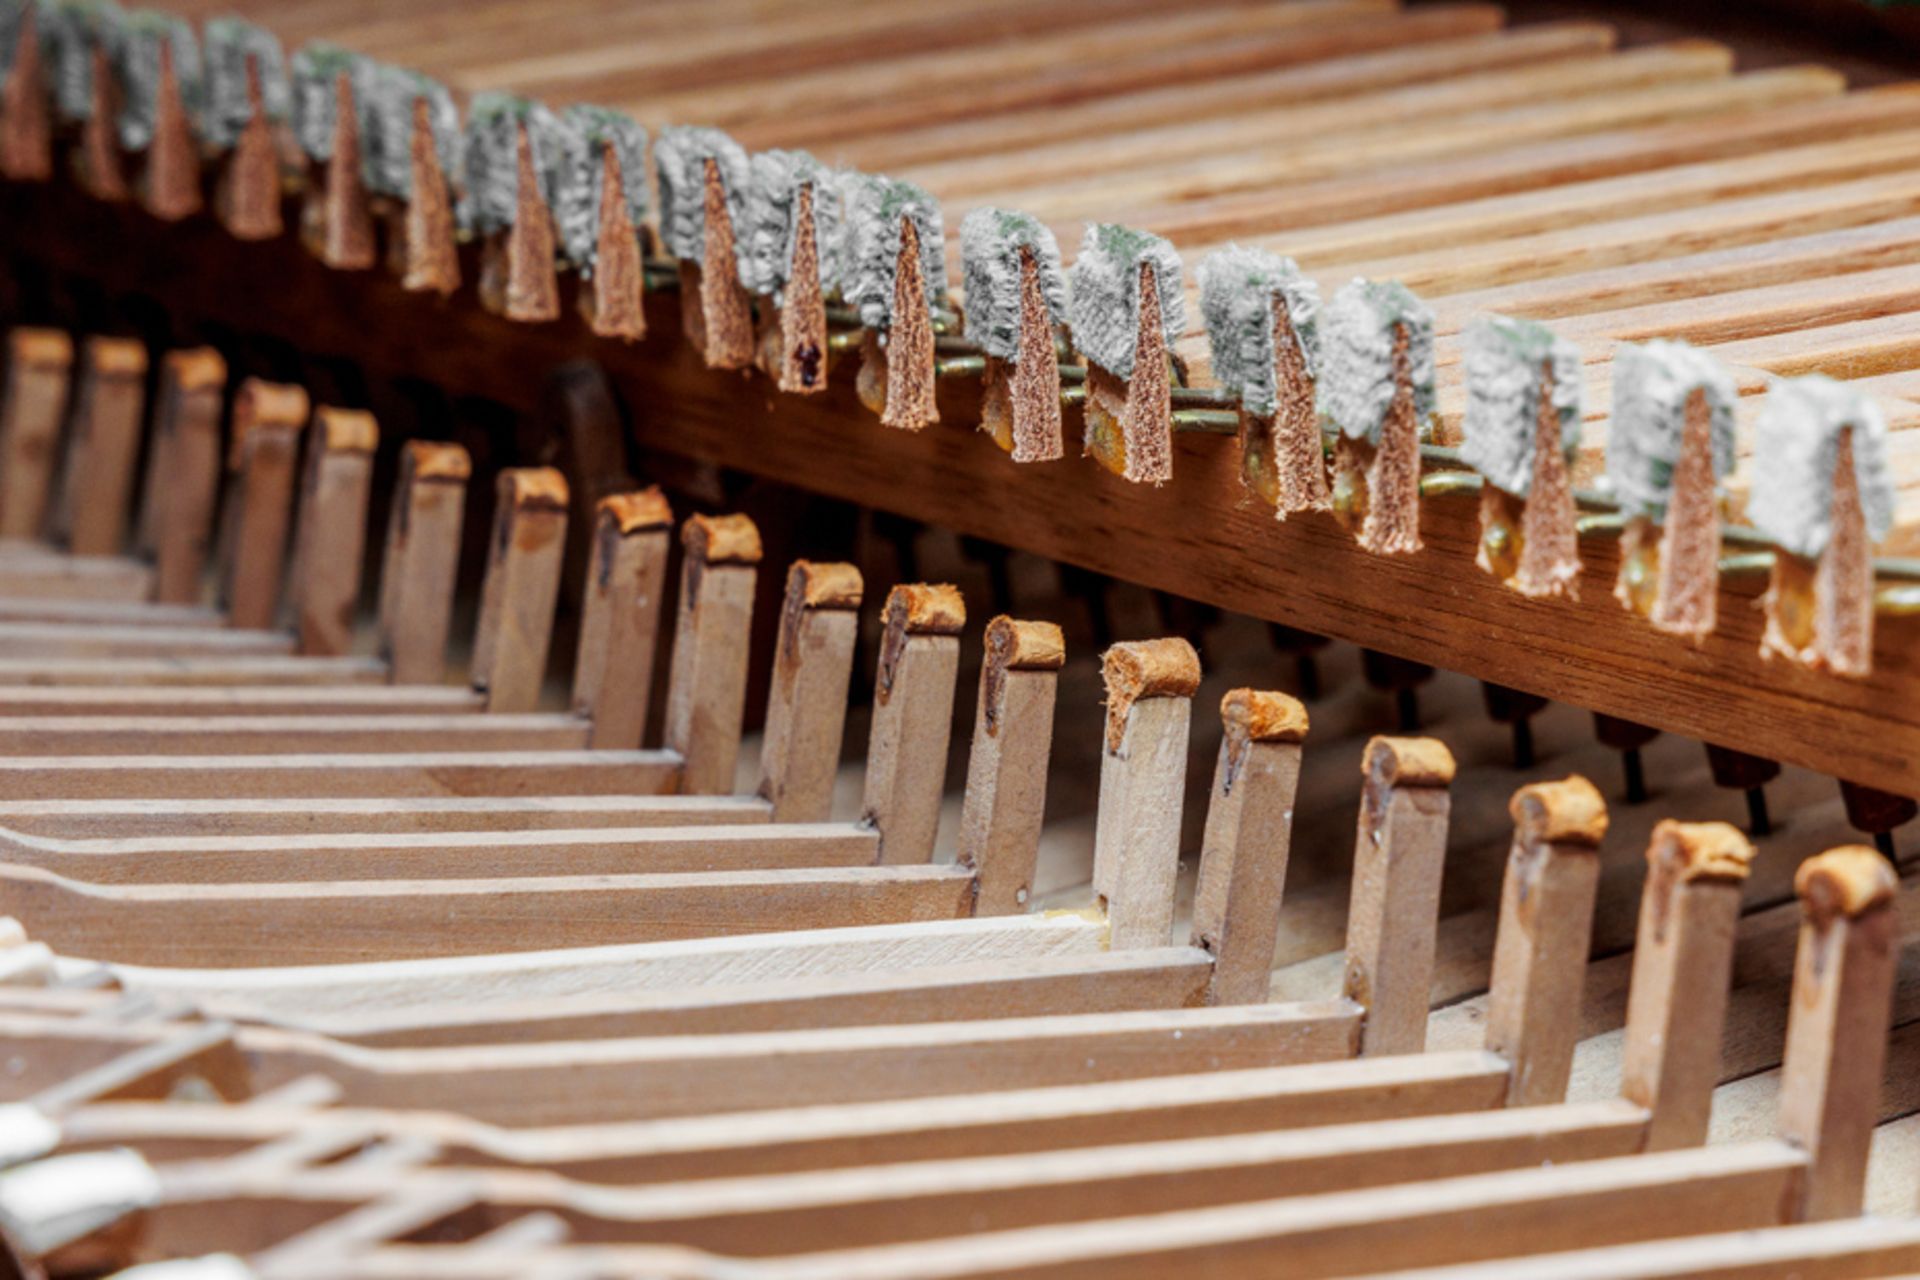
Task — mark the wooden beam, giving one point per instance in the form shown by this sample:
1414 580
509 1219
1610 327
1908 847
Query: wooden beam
183 472
521 589
1006 795
807 697
1143 776
109 409
708 686
267 421
912 718
39 364
331 529
1395 908
620 617
421 560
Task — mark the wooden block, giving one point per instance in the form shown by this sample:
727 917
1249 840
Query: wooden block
421 561
1682 961
708 686
1143 766
1006 796
103 442
331 529
183 473
912 719
807 698
267 421
1243 858
522 587
1837 1033
1545 935
39 362
620 617
1394 912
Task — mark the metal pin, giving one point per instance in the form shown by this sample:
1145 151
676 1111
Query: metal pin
1213 422
1603 524
1747 562
960 367
1440 484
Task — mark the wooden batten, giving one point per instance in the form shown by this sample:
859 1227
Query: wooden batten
807 699
613 298
620 616
910 402
39 368
1136 851
1837 1032
1682 964
103 445
170 190
801 364
1006 795
715 309
331 530
1020 399
521 589
1545 935
267 420
1820 610
912 718
1243 856
103 171
421 561
1687 585
707 688
1394 913
182 488
337 220
26 125
247 196
431 262
1129 422
1376 489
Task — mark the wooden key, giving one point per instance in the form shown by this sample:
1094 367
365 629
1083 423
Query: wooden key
708 685
267 421
620 617
521 588
1243 859
1143 765
102 445
1545 932
183 473
1682 960
1006 795
807 697
39 362
1394 912
421 562
331 529
912 719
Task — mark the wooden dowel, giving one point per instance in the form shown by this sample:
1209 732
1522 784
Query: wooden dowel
1682 962
1545 934
620 617
912 718
183 472
39 364
1006 796
170 189
103 443
247 195
337 223
1143 767
613 299
267 421
807 700
421 563
522 587
432 262
707 689
332 529
1394 912
1836 1051
1243 857
532 290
